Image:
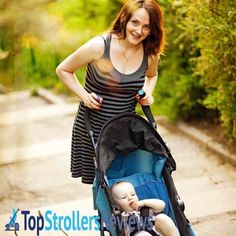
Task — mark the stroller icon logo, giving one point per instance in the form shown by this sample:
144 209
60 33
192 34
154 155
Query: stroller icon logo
12 225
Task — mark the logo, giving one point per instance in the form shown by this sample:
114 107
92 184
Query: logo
51 221
12 225
74 221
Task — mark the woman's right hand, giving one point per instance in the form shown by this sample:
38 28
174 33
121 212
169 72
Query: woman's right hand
92 101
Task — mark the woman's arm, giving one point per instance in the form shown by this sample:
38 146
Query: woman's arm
90 51
150 80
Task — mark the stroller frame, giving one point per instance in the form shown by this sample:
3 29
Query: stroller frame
101 185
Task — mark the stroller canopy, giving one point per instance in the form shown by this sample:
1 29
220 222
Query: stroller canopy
126 133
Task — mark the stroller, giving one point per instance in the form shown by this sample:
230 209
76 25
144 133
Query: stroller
130 149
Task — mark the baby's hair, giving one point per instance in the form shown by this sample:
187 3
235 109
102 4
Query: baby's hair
117 183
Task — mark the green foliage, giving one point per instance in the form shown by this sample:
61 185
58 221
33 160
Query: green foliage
198 71
81 16
24 36
214 28
179 91
34 40
217 62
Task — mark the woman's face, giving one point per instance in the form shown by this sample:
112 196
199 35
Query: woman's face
138 27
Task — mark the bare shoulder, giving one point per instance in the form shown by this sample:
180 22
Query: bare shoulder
95 46
86 53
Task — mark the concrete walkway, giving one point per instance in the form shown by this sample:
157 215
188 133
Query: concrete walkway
35 163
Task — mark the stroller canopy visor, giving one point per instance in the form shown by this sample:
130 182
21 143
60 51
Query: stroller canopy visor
126 133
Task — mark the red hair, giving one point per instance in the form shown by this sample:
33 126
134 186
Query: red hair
155 42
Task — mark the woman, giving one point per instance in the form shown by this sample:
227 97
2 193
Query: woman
119 63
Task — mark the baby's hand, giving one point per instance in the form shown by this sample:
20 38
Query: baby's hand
137 205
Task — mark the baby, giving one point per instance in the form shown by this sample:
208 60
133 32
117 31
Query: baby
126 198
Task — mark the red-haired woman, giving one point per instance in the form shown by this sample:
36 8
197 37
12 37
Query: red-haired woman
119 63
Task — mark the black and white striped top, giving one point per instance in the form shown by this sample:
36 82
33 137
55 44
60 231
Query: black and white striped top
118 92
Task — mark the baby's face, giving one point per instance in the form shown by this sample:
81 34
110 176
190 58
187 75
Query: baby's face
124 194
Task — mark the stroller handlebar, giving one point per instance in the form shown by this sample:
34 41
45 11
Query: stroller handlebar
148 113
147 110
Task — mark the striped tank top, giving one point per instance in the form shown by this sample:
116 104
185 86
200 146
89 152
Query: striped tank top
118 91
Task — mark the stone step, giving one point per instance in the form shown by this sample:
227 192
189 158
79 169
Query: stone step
217 225
207 195
204 196
14 96
203 184
12 105
38 113
214 201
50 97
54 147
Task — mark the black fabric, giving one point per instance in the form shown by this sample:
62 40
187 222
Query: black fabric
124 134
182 221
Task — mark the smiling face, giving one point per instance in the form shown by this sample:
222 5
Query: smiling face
138 26
124 194
149 17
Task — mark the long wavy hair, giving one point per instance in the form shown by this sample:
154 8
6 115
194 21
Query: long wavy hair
155 42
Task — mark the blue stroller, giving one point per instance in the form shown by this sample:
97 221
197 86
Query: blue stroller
130 149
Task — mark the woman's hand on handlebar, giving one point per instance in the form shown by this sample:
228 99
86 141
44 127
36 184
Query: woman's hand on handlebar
92 101
147 100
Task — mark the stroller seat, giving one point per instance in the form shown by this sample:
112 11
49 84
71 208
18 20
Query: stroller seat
130 149
144 171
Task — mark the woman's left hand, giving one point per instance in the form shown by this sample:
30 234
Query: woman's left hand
147 100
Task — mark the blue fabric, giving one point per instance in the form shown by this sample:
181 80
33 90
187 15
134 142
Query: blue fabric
191 230
135 180
103 206
154 190
95 189
144 171
158 166
139 161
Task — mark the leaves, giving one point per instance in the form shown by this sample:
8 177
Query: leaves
199 69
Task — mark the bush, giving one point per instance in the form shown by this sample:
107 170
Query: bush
214 25
199 70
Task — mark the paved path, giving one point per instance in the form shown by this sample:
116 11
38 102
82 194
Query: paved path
35 162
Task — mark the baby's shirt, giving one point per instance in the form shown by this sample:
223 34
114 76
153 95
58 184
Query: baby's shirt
134 222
